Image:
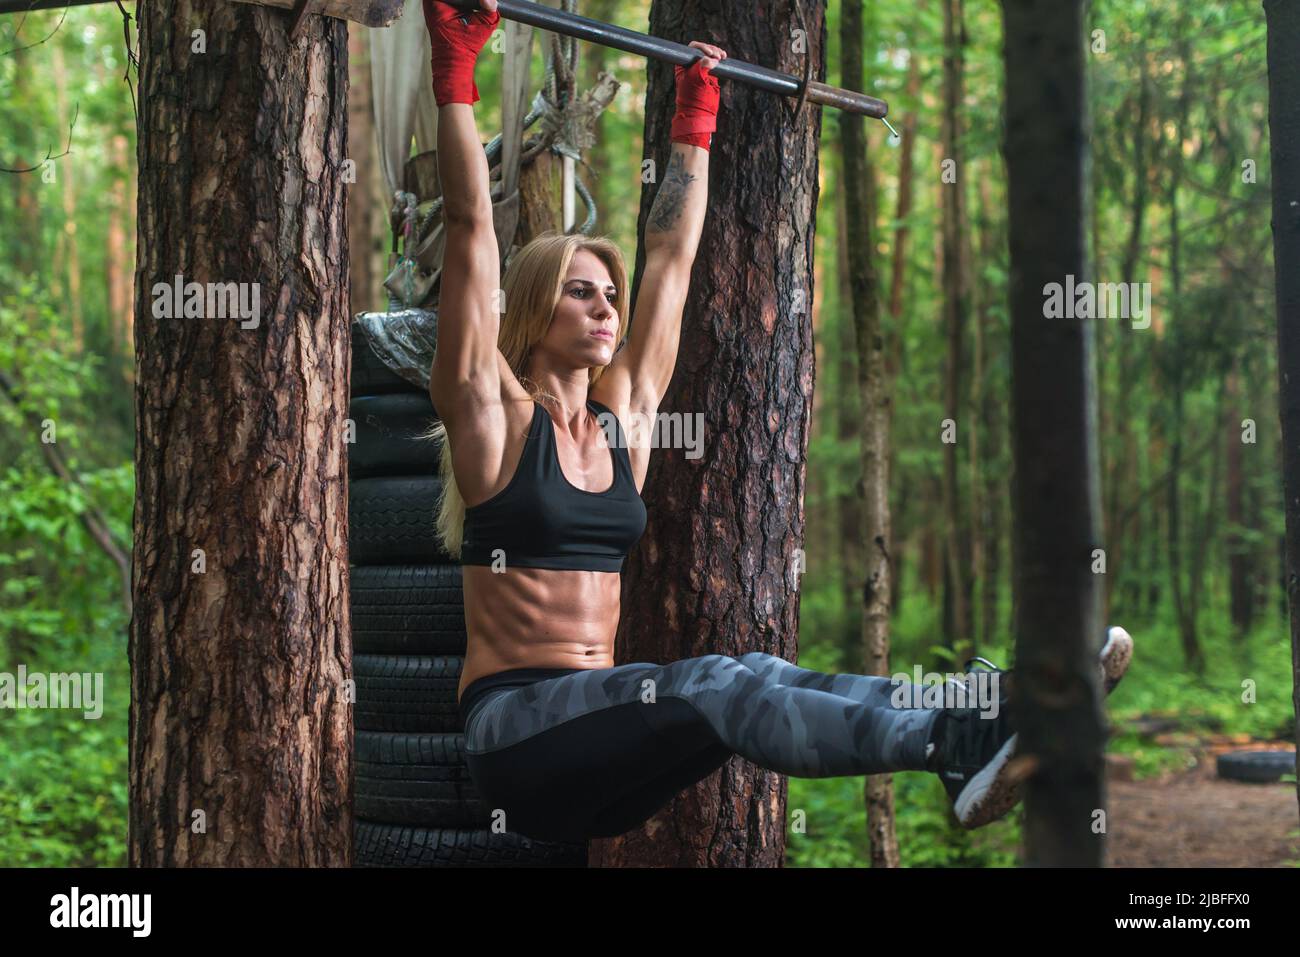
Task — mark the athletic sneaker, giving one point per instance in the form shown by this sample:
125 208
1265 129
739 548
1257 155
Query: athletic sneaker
971 753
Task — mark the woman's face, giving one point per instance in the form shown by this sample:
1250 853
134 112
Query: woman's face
584 325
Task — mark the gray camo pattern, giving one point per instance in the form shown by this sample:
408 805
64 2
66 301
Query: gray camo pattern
780 716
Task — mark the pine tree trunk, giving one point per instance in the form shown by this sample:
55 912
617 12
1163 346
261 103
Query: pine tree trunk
26 245
872 520
1125 444
240 730
1057 507
716 571
118 260
67 179
1239 573
1184 604
977 524
956 305
849 519
894 339
1284 133
988 403
1203 540
904 207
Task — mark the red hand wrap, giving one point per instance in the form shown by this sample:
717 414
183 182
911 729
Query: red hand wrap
697 105
455 47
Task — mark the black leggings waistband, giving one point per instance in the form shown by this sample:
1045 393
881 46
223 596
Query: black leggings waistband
514 678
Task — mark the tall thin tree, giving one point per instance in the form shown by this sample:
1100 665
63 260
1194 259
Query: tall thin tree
1057 507
876 393
957 592
1283 18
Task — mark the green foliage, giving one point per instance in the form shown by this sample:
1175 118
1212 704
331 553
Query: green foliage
64 797
836 835
64 800
1217 702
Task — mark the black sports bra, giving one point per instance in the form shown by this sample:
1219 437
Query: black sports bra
540 520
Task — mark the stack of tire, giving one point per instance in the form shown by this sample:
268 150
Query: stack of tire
415 803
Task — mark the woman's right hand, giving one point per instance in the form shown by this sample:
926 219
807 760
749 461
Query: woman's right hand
455 39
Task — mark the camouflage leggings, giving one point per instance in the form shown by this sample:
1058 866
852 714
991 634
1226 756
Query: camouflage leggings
593 753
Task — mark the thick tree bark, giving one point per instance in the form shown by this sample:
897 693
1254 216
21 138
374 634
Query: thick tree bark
1284 132
241 731
1057 507
717 570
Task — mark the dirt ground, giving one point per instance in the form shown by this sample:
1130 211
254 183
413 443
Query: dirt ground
1194 818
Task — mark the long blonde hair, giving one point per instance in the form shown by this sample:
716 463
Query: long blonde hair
533 284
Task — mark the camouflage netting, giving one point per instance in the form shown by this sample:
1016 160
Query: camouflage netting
405 336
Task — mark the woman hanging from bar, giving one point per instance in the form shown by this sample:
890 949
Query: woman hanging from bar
542 510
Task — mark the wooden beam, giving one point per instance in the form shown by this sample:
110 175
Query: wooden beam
372 13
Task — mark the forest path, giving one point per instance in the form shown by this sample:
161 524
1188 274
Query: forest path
1194 818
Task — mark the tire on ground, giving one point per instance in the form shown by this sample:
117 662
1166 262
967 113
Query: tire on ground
1262 767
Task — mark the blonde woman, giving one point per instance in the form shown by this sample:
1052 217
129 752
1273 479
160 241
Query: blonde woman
541 510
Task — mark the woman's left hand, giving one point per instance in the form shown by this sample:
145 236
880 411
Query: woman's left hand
713 55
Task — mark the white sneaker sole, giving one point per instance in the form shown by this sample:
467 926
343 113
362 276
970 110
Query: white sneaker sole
992 793
1116 655
990 790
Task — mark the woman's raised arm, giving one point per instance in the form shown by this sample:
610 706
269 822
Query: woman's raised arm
639 375
465 367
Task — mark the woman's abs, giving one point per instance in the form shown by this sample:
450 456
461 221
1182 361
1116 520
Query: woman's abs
538 618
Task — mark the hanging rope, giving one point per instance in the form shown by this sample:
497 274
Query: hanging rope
405 204
567 123
567 119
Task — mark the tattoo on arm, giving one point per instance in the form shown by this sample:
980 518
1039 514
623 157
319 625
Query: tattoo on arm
671 198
